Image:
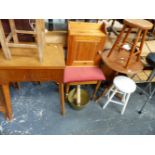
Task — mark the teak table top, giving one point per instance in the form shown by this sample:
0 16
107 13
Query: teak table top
118 60
23 58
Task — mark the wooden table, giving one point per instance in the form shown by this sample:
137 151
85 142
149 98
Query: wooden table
24 66
118 60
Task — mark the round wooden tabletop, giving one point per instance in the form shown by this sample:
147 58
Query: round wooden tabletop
139 23
117 61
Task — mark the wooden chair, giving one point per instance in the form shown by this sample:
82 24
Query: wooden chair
6 42
84 42
83 75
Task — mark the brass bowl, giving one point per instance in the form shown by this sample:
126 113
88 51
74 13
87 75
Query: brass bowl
72 98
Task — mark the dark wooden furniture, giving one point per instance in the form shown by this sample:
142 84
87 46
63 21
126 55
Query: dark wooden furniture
125 60
27 68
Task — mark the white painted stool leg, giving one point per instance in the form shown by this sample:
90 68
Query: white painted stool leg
124 97
125 103
108 101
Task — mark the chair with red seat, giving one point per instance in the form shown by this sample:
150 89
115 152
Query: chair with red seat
83 75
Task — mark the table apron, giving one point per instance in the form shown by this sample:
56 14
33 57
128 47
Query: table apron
21 75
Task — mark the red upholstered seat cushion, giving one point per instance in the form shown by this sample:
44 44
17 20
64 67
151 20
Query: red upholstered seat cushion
80 74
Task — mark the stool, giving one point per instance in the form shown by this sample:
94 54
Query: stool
143 26
124 86
6 42
125 60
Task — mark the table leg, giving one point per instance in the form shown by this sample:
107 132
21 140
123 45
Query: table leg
61 92
6 94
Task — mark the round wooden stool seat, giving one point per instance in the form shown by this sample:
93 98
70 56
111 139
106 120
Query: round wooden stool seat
138 23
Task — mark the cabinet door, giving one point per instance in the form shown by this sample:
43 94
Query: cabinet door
83 50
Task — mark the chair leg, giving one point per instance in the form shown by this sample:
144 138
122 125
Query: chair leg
148 100
108 92
67 89
109 99
125 103
102 94
96 89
